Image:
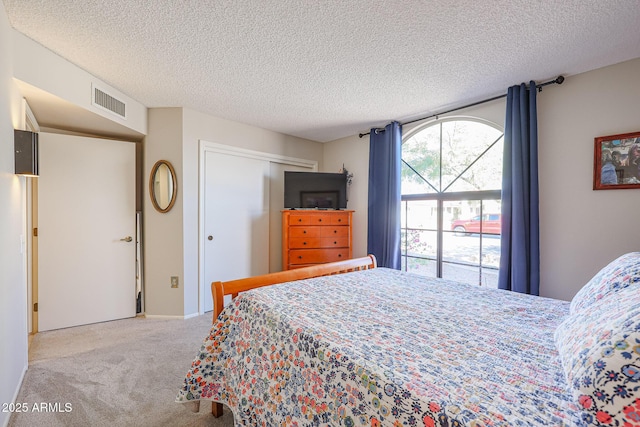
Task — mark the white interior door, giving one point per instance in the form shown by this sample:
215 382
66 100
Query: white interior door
236 219
86 231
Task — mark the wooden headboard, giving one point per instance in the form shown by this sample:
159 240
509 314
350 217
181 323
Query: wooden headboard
233 287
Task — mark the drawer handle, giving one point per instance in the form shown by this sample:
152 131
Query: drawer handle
339 255
335 231
304 231
335 243
299 256
339 219
299 219
320 220
304 243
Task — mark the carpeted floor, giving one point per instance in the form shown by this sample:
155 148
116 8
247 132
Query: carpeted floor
120 373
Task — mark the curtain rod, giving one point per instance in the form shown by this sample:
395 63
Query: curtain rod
557 80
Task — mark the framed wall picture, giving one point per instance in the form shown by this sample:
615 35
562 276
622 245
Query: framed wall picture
616 161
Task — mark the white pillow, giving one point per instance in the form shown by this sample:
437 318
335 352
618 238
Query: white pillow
618 274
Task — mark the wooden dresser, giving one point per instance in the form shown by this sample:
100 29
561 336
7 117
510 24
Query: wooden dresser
315 237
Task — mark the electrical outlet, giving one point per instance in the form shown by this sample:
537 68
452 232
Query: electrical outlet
174 281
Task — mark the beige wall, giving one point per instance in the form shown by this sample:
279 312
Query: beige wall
13 291
163 240
581 229
174 134
353 153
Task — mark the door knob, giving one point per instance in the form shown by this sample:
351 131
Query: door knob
127 239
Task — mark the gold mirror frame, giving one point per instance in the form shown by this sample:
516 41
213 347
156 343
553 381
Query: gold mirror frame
172 186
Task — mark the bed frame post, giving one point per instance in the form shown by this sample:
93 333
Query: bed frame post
217 292
216 409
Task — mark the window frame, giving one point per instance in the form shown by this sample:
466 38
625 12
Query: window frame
441 195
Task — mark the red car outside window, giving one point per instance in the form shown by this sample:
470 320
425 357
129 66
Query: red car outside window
490 223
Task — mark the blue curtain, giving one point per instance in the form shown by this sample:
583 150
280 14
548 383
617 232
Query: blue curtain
520 244
385 156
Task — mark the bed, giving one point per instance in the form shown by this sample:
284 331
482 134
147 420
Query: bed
377 347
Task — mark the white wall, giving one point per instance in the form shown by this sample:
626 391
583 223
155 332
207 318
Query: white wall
13 293
69 82
174 134
581 229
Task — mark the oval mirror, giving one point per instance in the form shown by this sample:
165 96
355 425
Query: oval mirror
163 186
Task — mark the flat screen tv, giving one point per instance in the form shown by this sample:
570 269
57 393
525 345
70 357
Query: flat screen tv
315 190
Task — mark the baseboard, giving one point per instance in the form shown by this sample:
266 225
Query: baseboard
189 316
160 316
5 422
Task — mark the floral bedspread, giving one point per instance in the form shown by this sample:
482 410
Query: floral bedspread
385 348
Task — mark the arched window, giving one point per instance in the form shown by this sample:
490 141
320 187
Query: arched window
451 184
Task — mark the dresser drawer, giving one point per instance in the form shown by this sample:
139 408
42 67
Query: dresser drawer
317 256
318 242
302 231
305 218
320 218
339 218
319 231
335 231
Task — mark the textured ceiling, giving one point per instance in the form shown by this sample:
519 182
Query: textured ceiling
323 70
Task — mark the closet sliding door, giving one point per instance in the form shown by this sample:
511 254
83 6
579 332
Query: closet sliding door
240 221
236 218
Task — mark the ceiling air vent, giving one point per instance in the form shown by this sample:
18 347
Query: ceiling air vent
109 103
